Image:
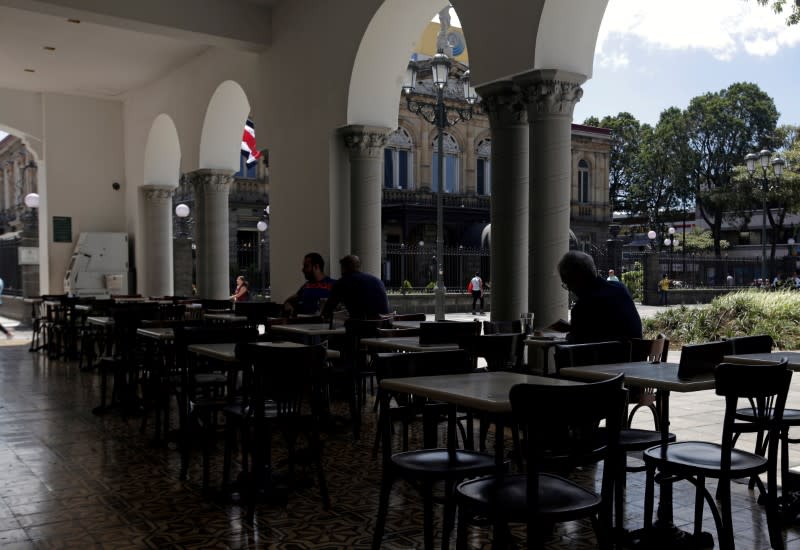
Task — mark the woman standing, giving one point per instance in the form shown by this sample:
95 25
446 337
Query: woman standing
242 292
3 329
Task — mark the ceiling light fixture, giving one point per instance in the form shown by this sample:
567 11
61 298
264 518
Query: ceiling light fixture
30 70
49 48
76 21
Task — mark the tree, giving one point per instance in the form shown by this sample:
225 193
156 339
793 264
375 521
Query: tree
722 128
625 138
778 5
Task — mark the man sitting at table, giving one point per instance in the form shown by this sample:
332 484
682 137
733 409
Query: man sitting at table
306 301
604 310
363 294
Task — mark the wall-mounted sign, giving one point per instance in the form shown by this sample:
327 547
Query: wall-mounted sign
28 255
62 229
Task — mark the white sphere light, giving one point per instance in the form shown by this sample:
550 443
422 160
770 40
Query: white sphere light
667 242
651 235
261 226
32 200
182 210
267 210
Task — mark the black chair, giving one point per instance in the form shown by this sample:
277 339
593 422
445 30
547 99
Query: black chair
409 317
423 468
281 393
655 351
695 461
500 351
759 343
702 358
552 442
461 333
502 327
202 390
632 440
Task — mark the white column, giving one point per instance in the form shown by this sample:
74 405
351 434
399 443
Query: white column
157 213
365 145
551 96
212 228
509 205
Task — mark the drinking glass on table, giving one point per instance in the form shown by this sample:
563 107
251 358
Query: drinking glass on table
527 322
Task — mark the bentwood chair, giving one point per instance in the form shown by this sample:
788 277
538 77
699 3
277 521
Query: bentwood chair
552 443
424 467
282 394
697 461
653 351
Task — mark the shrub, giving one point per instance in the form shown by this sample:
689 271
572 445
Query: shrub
634 281
742 313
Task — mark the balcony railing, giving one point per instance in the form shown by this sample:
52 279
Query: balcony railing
423 197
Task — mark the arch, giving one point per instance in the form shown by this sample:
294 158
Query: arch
451 144
398 160
567 35
483 166
221 138
162 153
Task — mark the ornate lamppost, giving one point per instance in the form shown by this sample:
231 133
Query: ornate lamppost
442 116
777 167
262 226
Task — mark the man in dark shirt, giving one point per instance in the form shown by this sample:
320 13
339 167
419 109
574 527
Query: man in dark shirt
604 310
306 301
363 294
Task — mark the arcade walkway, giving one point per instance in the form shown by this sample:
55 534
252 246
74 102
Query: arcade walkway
69 479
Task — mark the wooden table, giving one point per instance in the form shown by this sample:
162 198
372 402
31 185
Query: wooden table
225 317
308 333
404 343
545 341
766 358
162 334
664 378
227 352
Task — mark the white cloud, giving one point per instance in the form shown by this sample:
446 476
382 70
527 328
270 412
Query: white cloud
722 28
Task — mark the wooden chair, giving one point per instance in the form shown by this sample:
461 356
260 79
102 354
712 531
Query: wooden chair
432 464
632 440
696 461
281 395
502 327
702 358
654 351
552 442
760 343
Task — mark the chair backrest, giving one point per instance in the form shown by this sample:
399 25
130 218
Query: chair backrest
501 351
258 311
127 320
760 343
653 350
421 363
281 378
409 317
594 353
502 327
575 435
216 304
702 358
765 387
448 332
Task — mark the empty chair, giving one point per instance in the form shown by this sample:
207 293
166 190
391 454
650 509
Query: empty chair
500 351
760 343
281 395
500 327
562 441
654 351
595 353
702 358
696 461
461 333
430 465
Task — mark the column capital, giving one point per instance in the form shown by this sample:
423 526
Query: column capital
210 179
551 92
158 193
365 140
503 102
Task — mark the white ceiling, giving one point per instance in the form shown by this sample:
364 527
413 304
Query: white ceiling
89 59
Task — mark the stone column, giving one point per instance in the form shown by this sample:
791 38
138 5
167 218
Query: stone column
211 189
365 145
509 205
551 96
158 240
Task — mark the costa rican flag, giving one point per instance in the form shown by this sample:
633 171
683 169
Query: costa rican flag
249 143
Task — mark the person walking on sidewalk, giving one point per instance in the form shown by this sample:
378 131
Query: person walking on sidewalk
475 286
3 329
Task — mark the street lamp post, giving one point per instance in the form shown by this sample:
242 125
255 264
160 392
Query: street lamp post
442 116
777 166
262 227
670 242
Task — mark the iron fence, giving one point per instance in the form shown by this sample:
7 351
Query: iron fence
414 267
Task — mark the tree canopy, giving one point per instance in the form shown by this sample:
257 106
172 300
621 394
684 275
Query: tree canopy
778 5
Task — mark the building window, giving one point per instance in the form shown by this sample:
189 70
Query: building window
483 170
583 181
249 171
397 167
451 154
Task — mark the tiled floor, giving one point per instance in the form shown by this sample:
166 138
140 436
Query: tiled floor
69 479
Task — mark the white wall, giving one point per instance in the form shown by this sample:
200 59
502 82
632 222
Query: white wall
84 156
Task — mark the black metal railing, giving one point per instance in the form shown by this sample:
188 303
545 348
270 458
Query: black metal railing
414 267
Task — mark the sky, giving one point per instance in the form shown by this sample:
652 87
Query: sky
652 55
